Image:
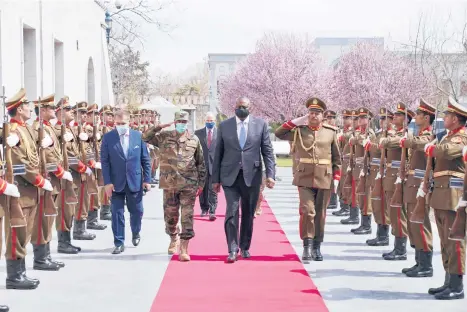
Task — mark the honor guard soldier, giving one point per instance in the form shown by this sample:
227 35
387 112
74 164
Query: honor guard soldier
42 230
363 191
448 178
70 153
317 172
377 168
330 119
344 149
397 215
107 124
94 203
22 140
420 235
182 178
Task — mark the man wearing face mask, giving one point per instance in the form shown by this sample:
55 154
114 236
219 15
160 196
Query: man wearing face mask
182 178
123 150
207 137
241 140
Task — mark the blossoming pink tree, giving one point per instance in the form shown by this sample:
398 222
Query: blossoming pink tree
372 77
277 78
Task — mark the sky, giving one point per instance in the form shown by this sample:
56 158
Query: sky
233 26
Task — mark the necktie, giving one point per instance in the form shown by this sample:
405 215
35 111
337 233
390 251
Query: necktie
242 137
123 141
209 137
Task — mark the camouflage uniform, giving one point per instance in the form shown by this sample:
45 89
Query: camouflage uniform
182 173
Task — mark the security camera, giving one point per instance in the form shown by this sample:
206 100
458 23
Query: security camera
118 4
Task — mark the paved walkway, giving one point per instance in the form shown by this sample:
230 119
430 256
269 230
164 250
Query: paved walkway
352 277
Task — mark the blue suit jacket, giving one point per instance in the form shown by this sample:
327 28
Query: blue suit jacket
117 169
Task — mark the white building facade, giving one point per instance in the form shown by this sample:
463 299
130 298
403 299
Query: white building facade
221 65
55 47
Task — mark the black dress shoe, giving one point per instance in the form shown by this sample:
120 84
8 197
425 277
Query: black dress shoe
136 239
232 257
118 250
4 308
204 213
245 254
212 217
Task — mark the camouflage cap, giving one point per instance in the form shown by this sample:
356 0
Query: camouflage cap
181 115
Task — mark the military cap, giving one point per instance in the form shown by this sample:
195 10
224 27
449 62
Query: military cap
364 112
384 112
46 101
93 108
63 103
315 104
106 109
17 99
144 111
330 113
81 106
401 111
181 115
354 113
346 113
456 108
424 107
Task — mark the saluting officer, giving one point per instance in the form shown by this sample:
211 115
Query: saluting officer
420 235
330 119
449 170
318 170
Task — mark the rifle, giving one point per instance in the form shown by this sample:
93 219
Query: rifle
397 197
418 215
348 175
46 199
91 185
95 145
361 187
68 192
12 206
377 192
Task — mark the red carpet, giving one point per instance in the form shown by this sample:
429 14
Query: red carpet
273 279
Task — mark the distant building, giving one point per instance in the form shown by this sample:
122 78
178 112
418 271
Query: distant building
221 65
331 49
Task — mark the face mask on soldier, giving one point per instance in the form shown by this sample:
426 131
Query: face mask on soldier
180 127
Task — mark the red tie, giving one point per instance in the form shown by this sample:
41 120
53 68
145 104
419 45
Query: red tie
209 138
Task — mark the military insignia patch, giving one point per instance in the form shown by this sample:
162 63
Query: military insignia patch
315 101
456 140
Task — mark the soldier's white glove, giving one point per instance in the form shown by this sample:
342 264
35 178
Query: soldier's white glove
336 184
464 152
151 147
300 121
53 122
68 136
378 176
98 165
67 176
365 142
362 174
98 136
47 141
12 140
83 136
427 146
398 180
71 123
461 203
348 169
420 192
48 186
11 190
88 171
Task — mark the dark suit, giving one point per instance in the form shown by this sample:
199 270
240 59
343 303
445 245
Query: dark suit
240 172
127 175
208 199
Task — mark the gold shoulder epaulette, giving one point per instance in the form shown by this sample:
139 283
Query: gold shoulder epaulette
13 126
330 127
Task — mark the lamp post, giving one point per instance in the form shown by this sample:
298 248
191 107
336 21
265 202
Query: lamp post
108 22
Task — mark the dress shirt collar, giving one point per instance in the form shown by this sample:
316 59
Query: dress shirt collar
246 121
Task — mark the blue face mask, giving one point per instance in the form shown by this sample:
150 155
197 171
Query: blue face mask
210 124
180 127
122 129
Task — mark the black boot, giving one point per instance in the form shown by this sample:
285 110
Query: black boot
425 267
344 211
434 291
105 213
333 201
64 244
353 218
79 231
382 236
400 250
93 223
49 257
40 259
306 256
316 251
4 308
455 290
23 268
360 226
16 277
417 261
366 226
